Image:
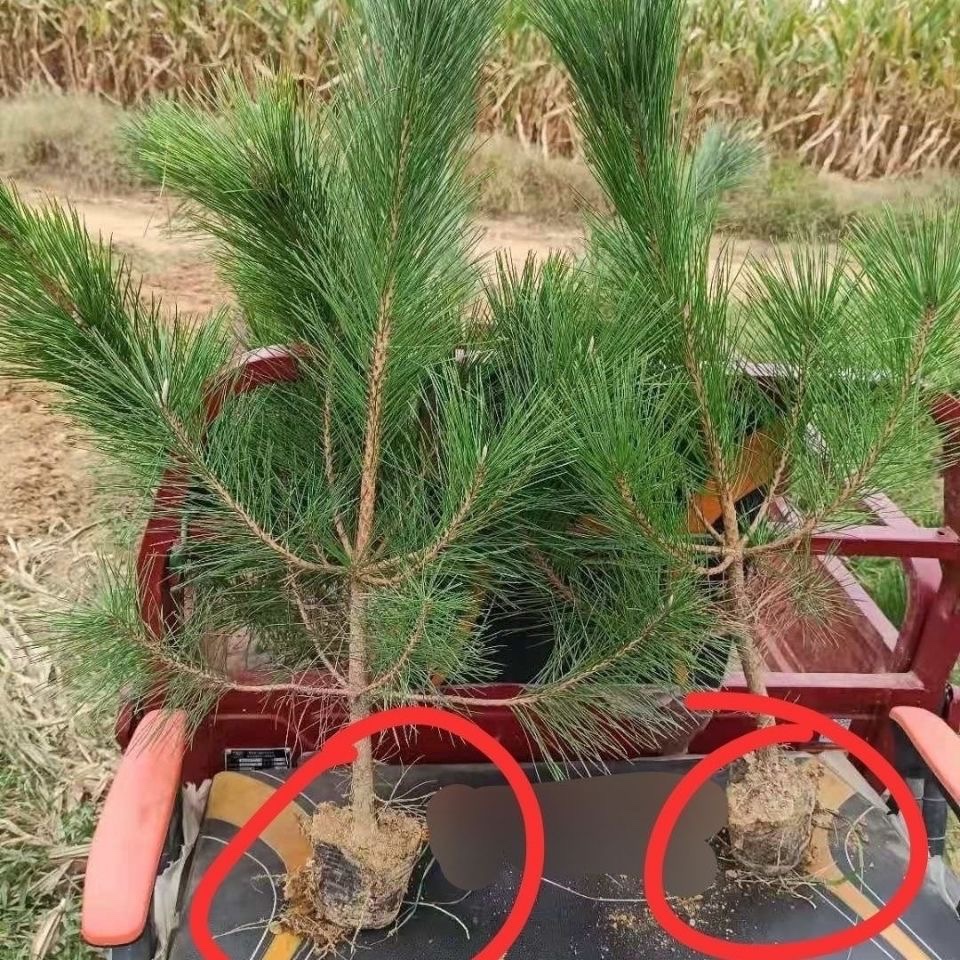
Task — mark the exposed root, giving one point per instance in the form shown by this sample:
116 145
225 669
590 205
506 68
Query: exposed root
355 880
772 799
299 914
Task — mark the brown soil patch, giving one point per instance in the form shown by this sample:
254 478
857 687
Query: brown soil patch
45 480
191 288
772 800
354 880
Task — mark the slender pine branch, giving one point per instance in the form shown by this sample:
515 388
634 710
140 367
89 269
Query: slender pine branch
559 585
369 471
707 525
413 563
197 461
708 426
672 546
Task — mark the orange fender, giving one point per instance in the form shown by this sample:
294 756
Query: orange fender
126 848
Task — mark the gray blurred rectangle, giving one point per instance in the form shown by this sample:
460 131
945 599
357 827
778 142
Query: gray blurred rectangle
593 826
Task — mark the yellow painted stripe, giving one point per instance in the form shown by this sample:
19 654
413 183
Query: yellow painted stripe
234 798
283 946
834 792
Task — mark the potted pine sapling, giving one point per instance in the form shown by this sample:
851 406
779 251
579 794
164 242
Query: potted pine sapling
690 445
360 536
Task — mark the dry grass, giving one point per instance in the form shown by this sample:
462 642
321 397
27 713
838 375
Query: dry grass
69 136
71 141
130 50
782 201
864 87
54 762
519 181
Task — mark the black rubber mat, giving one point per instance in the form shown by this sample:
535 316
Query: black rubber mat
859 862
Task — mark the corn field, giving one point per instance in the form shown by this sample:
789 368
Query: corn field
862 87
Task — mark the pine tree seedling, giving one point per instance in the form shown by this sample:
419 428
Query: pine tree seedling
533 474
807 379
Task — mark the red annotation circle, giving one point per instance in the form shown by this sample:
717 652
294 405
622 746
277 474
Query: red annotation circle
802 721
340 749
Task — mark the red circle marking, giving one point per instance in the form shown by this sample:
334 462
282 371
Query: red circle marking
340 749
801 721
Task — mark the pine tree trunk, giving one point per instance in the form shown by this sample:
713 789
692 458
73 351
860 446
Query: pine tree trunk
750 659
362 796
362 861
770 799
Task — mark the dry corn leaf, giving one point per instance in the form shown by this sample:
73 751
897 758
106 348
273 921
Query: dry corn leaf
836 56
45 938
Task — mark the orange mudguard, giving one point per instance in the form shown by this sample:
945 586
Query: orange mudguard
126 848
935 742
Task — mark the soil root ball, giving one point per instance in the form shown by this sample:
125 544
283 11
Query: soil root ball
356 880
772 799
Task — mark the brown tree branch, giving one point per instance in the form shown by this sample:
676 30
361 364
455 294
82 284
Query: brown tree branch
373 430
707 525
707 425
414 562
559 585
266 538
362 779
650 531
772 491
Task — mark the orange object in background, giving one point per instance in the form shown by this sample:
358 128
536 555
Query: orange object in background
757 464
